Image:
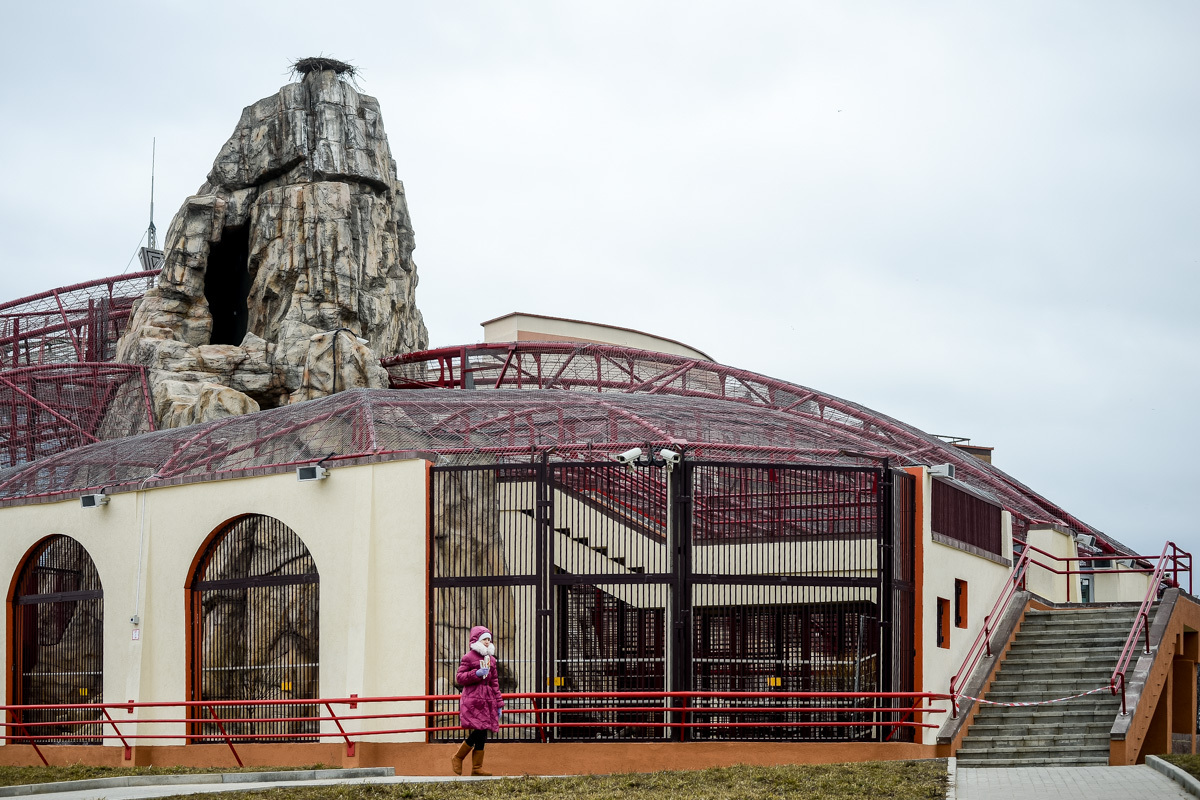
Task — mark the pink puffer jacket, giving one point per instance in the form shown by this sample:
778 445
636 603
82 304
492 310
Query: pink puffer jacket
479 708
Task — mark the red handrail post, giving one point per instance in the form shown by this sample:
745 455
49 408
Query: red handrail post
341 730
36 749
116 730
683 710
537 720
228 741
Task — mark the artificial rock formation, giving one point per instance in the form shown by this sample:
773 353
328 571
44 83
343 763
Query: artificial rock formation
290 272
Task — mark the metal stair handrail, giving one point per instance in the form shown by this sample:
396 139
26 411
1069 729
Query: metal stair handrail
983 641
1141 622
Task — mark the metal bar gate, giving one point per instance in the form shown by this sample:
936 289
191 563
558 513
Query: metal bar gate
702 576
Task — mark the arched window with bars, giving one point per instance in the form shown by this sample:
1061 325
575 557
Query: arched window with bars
57 641
253 607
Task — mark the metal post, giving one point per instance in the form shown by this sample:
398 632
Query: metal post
228 741
679 504
544 644
886 569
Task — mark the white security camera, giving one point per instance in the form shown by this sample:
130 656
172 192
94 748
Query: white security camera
942 471
311 473
670 456
93 500
629 456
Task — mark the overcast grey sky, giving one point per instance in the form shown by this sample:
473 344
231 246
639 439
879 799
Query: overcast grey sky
978 218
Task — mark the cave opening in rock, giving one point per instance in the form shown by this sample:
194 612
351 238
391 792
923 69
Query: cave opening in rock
227 286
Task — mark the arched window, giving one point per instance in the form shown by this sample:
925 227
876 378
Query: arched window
253 610
57 641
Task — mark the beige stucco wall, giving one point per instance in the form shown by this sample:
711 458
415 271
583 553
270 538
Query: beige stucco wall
364 526
1118 587
535 328
943 565
1059 542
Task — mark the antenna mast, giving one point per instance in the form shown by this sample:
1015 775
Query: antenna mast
151 235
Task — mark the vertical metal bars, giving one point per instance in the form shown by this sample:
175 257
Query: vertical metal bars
611 570
58 639
707 576
256 628
485 550
966 517
785 589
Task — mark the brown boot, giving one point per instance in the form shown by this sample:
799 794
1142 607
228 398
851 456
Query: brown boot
457 759
477 764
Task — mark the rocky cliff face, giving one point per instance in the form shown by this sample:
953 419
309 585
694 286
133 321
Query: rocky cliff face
290 272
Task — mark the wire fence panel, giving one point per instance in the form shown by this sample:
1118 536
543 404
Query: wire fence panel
255 606
612 572
705 576
58 640
785 592
485 547
902 580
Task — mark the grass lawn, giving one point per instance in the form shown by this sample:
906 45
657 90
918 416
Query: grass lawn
902 780
15 776
1189 764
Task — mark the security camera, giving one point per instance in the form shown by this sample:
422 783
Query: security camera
93 500
629 456
311 473
670 456
942 471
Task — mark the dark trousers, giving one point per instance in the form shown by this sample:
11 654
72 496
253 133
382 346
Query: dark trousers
477 739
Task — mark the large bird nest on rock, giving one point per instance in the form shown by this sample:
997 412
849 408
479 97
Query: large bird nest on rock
304 66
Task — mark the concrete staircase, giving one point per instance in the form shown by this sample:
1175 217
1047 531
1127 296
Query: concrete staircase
1055 654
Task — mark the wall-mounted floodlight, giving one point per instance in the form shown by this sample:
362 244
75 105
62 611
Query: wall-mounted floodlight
314 472
630 456
942 471
93 500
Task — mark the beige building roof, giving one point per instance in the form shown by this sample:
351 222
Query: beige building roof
522 327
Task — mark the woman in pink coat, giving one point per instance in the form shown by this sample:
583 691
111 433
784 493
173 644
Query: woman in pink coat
479 709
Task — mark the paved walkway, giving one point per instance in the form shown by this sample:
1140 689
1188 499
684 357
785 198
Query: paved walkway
1067 783
1020 783
142 792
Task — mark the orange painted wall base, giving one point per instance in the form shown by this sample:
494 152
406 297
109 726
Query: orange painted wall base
559 758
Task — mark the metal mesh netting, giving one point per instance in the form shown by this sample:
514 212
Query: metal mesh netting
71 324
598 368
78 325
460 426
58 387
48 409
466 426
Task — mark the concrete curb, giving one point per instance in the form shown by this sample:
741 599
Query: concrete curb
951 778
198 778
1189 784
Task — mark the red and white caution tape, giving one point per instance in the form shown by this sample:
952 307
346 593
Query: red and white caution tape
1038 702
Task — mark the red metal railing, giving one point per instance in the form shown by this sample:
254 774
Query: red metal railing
983 641
1181 563
543 714
1142 620
610 368
1178 560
